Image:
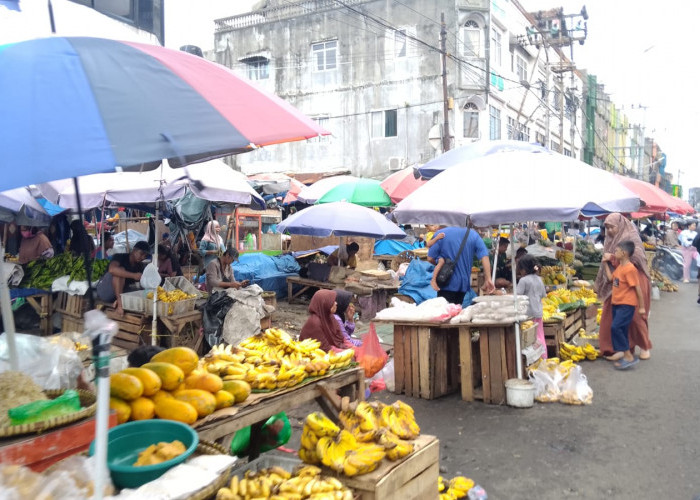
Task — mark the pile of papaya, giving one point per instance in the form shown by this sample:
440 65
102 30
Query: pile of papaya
171 387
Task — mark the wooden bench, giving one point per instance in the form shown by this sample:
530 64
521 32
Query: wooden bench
306 284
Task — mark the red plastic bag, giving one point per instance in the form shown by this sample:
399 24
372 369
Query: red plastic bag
370 354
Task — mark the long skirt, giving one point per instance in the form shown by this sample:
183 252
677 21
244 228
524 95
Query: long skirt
639 328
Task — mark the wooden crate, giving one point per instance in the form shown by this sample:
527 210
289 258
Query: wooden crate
589 316
42 303
426 360
498 361
134 329
413 478
553 336
72 323
72 305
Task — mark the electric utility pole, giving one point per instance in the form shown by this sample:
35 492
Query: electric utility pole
446 105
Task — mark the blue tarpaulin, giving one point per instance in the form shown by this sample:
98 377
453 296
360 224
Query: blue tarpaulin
269 272
393 247
416 282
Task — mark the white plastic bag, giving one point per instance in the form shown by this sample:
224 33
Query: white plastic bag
150 279
575 389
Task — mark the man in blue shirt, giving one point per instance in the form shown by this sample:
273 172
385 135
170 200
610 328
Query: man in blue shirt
458 290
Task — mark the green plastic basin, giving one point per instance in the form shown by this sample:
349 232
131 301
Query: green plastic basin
126 441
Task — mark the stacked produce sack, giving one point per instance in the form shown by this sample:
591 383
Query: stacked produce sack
370 433
273 360
276 483
171 387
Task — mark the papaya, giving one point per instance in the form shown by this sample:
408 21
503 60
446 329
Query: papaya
170 375
122 408
224 399
172 409
125 386
205 381
238 388
142 409
182 357
202 401
151 382
160 395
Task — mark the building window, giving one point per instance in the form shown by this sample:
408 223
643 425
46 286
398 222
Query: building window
520 68
325 55
517 131
384 123
471 121
496 47
471 34
494 123
539 138
400 44
321 121
258 68
555 146
567 152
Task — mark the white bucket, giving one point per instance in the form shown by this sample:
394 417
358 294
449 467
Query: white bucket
520 393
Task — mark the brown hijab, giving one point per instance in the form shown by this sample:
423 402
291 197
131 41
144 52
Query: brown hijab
321 324
625 231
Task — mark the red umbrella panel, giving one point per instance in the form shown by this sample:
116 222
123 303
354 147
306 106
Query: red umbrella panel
400 184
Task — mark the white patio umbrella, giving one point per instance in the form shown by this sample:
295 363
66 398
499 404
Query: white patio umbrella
511 187
20 206
311 194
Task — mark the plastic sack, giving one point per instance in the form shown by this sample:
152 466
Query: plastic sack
50 361
38 411
546 386
276 431
370 354
575 389
150 278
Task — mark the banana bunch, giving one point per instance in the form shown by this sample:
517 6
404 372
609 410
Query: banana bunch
666 284
565 256
275 483
400 420
273 360
584 334
526 325
171 296
42 273
458 487
587 295
324 442
577 353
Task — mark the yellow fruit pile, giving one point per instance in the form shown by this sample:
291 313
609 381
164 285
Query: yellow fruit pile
275 483
577 353
565 256
555 275
370 432
171 296
587 295
456 488
526 325
584 334
273 360
598 315
170 387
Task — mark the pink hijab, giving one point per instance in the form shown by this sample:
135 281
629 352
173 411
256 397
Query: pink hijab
210 233
625 231
321 324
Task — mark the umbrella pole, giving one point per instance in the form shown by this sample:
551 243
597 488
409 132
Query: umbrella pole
494 245
518 355
154 323
8 320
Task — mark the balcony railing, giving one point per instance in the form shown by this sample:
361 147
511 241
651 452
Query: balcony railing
280 13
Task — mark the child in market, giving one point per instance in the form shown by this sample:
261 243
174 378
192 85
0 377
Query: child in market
626 297
531 285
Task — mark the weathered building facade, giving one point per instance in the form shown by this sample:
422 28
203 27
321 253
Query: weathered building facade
370 71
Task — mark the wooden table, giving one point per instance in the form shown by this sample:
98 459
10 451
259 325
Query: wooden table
432 359
306 284
222 424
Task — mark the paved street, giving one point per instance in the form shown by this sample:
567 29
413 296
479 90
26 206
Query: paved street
640 439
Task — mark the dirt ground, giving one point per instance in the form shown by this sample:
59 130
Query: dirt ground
640 439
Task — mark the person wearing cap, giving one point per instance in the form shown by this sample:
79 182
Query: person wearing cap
124 270
220 273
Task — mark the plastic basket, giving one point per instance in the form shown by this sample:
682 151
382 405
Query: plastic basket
183 284
165 309
135 301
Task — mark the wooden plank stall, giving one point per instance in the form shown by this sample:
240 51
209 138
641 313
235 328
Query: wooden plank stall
42 303
553 336
589 318
413 478
573 323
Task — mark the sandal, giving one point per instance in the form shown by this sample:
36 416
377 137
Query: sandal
644 355
623 364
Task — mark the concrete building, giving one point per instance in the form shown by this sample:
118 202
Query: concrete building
370 71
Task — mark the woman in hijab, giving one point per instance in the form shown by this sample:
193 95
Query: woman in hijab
212 245
344 315
321 324
617 229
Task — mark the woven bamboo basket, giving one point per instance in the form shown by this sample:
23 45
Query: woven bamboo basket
88 402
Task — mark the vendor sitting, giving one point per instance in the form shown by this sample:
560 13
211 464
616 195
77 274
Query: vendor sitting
34 246
165 262
124 270
503 270
220 273
321 324
345 316
347 258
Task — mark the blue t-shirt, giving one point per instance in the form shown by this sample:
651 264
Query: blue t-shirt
448 247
